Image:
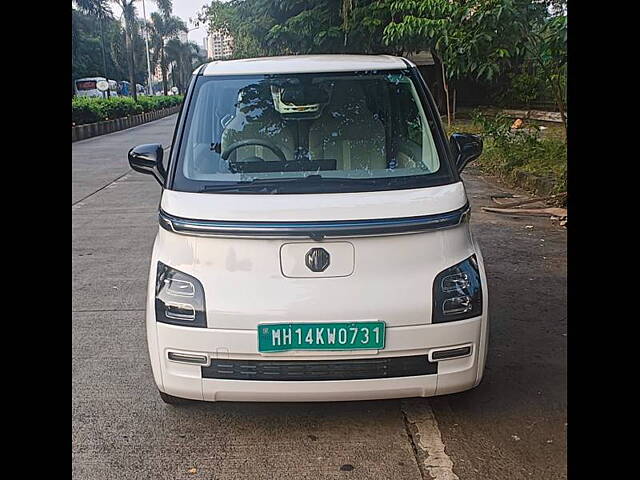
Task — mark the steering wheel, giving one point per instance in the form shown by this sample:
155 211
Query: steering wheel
254 141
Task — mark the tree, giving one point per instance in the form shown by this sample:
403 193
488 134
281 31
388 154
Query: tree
163 26
101 10
277 27
484 40
467 38
130 22
181 55
547 45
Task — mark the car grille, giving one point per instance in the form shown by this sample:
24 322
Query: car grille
314 370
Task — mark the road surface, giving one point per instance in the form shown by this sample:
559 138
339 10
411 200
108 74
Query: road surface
512 426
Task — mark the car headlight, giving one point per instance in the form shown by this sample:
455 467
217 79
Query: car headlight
457 292
179 298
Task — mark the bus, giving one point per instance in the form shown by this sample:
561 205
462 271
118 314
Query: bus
87 87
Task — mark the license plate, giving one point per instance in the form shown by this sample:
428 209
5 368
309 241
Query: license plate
278 337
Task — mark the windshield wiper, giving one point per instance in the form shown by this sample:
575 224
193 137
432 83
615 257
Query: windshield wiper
271 182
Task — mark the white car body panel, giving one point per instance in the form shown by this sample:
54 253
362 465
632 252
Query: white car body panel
245 286
334 206
379 277
305 64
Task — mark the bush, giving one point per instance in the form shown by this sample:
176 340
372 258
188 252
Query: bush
510 153
523 90
92 109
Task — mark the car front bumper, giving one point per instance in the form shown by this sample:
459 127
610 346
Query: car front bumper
218 345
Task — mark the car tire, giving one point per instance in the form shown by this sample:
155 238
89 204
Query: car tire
171 400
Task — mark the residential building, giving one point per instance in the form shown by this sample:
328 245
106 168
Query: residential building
220 45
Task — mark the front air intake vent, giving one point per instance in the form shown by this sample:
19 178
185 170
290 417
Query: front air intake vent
314 370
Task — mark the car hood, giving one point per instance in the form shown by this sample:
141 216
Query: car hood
314 207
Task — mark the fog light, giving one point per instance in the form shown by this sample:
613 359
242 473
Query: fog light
188 358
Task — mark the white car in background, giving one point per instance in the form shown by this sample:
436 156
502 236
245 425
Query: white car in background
314 239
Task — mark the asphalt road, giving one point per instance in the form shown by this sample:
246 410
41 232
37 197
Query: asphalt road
512 426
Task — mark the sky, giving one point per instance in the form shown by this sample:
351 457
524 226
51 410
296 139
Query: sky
181 8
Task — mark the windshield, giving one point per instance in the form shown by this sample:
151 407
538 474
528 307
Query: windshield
308 133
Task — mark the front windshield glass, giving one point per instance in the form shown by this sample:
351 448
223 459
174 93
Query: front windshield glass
308 133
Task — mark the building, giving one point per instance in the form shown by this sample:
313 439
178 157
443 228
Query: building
219 45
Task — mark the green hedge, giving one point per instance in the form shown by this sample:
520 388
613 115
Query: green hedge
92 109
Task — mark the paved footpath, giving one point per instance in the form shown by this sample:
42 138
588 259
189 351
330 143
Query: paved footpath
512 426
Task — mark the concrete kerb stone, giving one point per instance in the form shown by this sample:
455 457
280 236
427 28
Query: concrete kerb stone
80 132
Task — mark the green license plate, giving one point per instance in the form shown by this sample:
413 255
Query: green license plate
278 337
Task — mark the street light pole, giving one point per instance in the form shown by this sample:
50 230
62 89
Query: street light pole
191 30
146 43
104 59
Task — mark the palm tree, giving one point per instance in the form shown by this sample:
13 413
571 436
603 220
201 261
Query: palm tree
130 24
165 7
101 10
163 26
181 55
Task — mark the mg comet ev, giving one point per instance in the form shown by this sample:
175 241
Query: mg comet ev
313 239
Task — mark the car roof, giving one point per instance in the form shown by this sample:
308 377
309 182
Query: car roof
305 64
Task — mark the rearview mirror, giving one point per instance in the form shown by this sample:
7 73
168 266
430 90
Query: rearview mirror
304 95
147 158
465 148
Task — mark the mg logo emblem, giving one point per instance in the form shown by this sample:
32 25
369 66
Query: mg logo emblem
317 259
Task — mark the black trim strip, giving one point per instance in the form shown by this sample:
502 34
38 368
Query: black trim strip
319 370
315 230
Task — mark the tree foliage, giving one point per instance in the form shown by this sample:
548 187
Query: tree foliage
86 48
518 46
181 56
290 27
486 40
163 27
94 30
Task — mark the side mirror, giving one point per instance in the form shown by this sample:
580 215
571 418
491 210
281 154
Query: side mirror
465 148
147 158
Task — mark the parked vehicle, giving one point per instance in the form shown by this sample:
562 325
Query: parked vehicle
87 87
113 88
313 239
124 88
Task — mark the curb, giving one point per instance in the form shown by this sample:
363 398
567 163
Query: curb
541 115
534 183
89 130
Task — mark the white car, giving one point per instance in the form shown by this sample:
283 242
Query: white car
313 239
